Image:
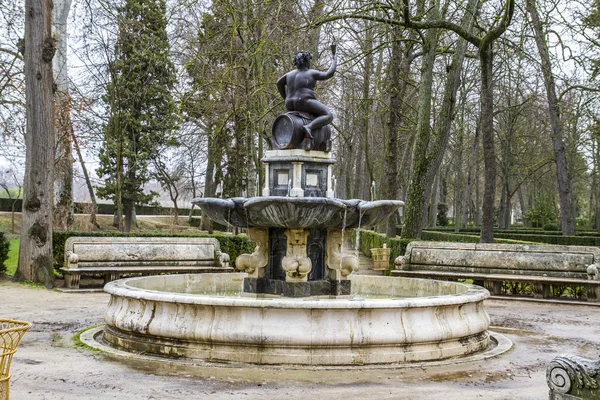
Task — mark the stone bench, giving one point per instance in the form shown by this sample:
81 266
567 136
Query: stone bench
113 256
540 265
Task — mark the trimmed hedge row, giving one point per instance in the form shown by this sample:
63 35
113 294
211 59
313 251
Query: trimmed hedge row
553 239
514 237
457 237
516 231
230 244
477 231
103 208
4 244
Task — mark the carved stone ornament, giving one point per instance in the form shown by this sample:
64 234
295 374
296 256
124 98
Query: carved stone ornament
573 376
254 264
340 266
296 263
400 262
592 272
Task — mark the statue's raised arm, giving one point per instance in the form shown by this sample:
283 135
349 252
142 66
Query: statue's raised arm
297 88
321 76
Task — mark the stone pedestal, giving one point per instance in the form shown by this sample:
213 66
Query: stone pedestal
298 173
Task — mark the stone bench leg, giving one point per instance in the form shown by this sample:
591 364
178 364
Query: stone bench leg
111 276
593 293
541 290
494 287
71 281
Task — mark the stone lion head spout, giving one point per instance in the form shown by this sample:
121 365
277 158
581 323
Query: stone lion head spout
302 59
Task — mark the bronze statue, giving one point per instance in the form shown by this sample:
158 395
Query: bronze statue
300 94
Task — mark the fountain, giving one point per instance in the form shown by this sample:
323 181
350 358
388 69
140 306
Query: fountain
297 300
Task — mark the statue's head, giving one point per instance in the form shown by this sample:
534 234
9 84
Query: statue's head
302 59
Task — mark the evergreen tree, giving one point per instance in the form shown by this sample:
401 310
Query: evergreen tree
141 108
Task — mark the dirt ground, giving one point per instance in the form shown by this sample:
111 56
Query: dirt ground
49 365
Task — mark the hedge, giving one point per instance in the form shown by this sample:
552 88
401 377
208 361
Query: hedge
457 237
230 244
477 231
553 239
514 237
4 245
107 209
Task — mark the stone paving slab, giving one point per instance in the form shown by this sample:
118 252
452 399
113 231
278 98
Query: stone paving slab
48 365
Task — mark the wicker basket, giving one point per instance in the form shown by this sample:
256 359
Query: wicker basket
381 258
11 332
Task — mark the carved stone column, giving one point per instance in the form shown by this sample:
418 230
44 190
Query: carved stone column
266 192
254 264
296 263
340 266
330 192
297 190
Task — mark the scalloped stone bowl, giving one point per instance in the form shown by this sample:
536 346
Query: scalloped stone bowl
385 321
297 212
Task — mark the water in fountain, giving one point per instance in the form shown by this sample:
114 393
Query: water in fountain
339 277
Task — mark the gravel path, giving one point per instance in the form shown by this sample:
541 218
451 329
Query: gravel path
48 364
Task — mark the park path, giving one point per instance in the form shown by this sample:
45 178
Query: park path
48 365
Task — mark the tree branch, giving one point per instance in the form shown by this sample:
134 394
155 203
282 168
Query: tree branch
11 52
581 87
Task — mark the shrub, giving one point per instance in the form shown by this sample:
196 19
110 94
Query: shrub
442 214
230 244
3 252
542 213
550 227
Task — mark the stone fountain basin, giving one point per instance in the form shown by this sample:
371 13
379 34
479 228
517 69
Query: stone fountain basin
207 317
297 212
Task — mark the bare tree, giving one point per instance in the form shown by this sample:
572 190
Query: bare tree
562 172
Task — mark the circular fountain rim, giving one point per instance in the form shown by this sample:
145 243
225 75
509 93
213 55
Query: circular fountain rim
90 337
122 288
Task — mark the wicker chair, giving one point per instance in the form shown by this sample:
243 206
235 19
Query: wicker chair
11 332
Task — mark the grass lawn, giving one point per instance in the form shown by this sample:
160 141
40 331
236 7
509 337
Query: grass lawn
13 257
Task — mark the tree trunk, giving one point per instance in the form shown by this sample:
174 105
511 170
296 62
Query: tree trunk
565 194
88 183
128 209
63 173
367 104
313 34
398 91
597 207
471 177
435 196
489 152
458 193
35 252
427 163
415 201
